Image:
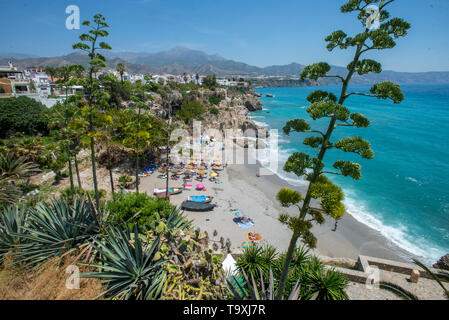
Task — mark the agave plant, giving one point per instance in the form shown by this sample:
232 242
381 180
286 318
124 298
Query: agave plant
55 228
12 223
249 290
130 268
9 193
327 285
177 220
16 168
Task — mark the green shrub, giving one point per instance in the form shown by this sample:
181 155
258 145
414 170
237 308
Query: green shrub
22 114
214 100
138 208
214 110
191 110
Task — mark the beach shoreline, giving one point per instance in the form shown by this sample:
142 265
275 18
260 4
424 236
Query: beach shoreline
352 237
255 196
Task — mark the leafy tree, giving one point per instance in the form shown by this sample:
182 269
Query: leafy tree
60 116
117 91
70 75
22 114
327 105
91 43
137 135
191 110
210 82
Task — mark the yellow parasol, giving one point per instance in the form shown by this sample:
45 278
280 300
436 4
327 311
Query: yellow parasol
213 174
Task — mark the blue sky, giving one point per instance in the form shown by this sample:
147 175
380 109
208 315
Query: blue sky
259 32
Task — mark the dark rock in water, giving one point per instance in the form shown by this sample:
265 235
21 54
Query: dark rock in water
443 263
269 95
253 105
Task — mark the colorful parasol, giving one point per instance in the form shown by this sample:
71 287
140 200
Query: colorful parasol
248 244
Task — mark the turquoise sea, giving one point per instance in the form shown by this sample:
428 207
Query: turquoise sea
404 191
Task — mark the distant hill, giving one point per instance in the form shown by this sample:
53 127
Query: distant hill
180 59
13 55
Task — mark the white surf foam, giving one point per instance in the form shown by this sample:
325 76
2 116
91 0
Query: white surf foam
398 234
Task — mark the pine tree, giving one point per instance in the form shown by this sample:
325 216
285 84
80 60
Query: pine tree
327 105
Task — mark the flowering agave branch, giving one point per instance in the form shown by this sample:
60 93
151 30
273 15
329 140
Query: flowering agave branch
327 105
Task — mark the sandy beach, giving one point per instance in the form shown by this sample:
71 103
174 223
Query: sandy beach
241 189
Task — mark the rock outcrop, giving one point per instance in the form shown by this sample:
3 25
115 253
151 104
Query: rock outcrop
443 263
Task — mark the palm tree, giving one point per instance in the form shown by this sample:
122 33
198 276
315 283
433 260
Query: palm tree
52 72
121 68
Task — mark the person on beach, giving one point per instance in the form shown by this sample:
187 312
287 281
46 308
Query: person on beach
336 225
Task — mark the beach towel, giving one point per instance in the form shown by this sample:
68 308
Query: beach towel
247 224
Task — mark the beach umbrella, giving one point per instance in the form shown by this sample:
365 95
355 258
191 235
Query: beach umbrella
213 174
200 186
248 244
202 168
201 172
189 166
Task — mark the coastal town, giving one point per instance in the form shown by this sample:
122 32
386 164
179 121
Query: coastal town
35 82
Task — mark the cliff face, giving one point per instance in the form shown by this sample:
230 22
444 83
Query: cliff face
233 111
233 108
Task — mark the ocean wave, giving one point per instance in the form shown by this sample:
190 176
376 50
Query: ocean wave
398 234
261 124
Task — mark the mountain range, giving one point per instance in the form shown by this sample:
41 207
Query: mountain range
180 59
